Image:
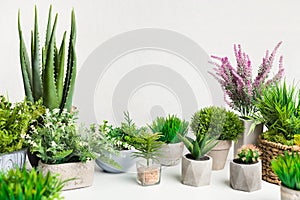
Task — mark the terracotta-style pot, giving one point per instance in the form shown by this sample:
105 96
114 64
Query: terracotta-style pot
83 173
171 154
148 174
196 172
245 177
12 160
289 194
220 153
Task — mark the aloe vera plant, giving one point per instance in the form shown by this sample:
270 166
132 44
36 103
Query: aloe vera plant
45 77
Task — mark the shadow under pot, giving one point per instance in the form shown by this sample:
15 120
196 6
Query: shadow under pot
148 173
171 154
12 160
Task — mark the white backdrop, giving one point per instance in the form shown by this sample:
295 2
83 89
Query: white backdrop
201 27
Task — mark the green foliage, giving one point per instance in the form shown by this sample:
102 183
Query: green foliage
217 121
169 127
46 77
57 140
19 184
287 168
248 154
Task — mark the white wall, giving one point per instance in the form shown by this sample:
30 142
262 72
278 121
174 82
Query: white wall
213 25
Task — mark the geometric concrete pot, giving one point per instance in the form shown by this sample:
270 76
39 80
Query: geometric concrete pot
82 172
12 160
245 177
148 174
196 172
170 154
289 194
219 154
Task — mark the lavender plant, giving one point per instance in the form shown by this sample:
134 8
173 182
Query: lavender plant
237 82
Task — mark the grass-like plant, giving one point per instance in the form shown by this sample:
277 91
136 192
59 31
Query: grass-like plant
248 154
169 127
217 121
287 168
19 184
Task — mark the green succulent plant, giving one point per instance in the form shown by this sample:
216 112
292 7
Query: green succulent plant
169 127
287 168
248 154
217 121
44 77
19 184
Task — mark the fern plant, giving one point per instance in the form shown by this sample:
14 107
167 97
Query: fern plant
44 77
287 168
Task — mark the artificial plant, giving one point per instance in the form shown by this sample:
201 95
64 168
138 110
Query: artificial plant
248 154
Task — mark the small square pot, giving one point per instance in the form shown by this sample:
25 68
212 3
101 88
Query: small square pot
148 174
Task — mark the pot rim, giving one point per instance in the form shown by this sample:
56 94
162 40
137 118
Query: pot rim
209 158
243 164
18 151
69 163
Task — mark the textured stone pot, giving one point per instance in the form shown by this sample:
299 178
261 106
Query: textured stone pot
245 177
245 137
12 160
124 159
196 172
171 154
148 174
289 194
220 153
82 172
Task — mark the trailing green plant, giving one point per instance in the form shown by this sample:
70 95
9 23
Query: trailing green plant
57 140
19 184
248 154
169 127
217 121
45 77
287 168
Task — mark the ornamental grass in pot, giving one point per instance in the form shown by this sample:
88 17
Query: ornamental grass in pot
245 170
222 123
169 127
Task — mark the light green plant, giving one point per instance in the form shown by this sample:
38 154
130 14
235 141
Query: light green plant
45 76
248 154
287 168
19 184
169 127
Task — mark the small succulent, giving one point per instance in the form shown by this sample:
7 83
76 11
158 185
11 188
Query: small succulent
287 168
248 154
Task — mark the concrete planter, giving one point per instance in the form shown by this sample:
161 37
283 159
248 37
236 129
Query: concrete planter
171 154
220 153
289 194
196 172
82 172
246 138
148 174
245 177
12 160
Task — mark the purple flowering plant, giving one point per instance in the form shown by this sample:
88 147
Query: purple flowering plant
240 89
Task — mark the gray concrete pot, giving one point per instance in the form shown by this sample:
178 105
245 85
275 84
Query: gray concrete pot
220 153
12 160
289 194
82 172
245 177
246 138
196 172
171 154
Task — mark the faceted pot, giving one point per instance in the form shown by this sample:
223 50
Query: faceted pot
83 173
171 154
12 160
148 174
289 194
196 172
220 153
245 177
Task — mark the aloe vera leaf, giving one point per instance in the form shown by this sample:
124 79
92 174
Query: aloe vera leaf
60 69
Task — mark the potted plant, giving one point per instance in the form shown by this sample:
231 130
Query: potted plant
61 149
22 184
287 168
196 166
241 91
148 169
171 151
245 170
219 122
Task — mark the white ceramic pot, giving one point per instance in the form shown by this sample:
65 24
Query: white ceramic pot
196 172
12 160
220 153
148 174
289 194
171 154
82 172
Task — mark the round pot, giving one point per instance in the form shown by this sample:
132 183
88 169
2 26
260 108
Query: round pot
289 194
245 177
220 153
171 154
148 174
196 172
12 160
